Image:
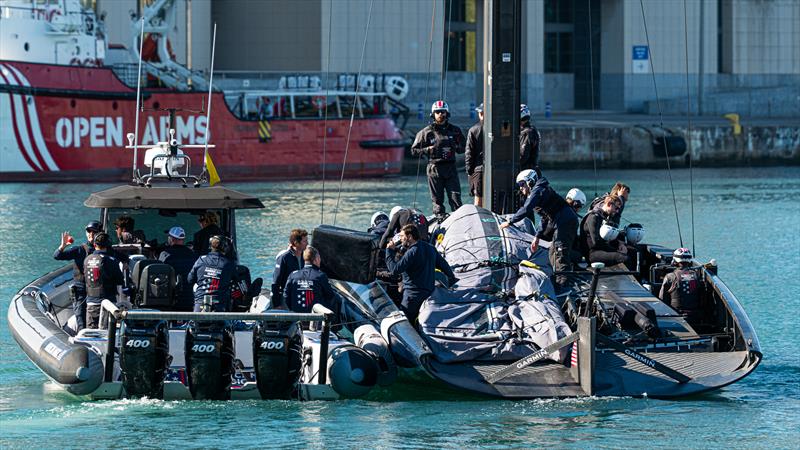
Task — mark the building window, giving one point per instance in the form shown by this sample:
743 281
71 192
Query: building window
558 53
559 27
461 50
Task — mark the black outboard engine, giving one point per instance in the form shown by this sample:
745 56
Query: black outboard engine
144 357
277 357
209 360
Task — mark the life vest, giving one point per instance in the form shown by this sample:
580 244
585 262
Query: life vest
685 290
99 283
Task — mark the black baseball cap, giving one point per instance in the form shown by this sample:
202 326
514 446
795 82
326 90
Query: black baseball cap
94 226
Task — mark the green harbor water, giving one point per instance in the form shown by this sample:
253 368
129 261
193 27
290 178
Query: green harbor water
747 219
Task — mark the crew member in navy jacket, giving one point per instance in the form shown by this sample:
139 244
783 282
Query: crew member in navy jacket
287 262
103 276
309 286
542 199
213 274
417 266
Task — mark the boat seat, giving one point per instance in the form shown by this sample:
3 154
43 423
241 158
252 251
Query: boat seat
155 284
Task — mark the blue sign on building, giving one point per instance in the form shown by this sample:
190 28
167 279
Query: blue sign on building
641 53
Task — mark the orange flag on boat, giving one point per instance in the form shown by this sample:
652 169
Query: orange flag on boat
213 176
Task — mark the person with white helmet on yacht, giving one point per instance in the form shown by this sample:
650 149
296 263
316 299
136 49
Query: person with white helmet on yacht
529 139
682 288
400 217
600 236
439 142
544 200
575 199
378 223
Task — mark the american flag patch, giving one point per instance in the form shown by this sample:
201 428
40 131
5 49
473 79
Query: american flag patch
574 357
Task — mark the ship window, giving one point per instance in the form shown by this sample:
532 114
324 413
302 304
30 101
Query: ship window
26 46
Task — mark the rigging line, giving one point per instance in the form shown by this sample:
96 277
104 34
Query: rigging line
325 122
689 119
427 86
138 104
591 85
446 62
661 122
356 100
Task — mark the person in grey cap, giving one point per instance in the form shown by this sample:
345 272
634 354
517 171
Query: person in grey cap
77 254
181 258
473 158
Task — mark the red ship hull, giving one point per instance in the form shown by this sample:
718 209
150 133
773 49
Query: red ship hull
67 123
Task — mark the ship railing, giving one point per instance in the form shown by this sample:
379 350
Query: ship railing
116 315
170 168
298 103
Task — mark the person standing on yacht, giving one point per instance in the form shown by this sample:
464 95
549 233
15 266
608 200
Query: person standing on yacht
529 139
440 141
544 200
682 288
287 262
473 158
418 267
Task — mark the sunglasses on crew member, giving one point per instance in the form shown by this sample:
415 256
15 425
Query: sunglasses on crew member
440 111
521 184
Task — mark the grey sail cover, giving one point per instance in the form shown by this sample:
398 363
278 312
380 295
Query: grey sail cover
481 254
473 324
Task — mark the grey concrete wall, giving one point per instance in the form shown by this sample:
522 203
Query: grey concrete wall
631 147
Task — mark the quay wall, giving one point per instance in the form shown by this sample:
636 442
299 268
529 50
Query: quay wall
631 147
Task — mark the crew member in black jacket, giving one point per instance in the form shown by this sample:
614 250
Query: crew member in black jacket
77 255
103 275
473 158
529 139
440 141
400 217
542 199
182 259
599 234
287 262
418 266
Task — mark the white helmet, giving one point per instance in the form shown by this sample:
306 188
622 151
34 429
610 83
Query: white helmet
374 220
394 211
440 105
524 111
608 231
634 233
527 176
577 196
682 254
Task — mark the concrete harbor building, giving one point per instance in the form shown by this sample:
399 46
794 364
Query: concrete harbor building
743 55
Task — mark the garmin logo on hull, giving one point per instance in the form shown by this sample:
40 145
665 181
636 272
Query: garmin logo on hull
108 131
640 358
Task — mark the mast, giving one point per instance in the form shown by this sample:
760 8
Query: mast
502 34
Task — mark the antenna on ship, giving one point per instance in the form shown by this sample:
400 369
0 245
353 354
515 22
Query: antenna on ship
213 173
135 141
165 159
